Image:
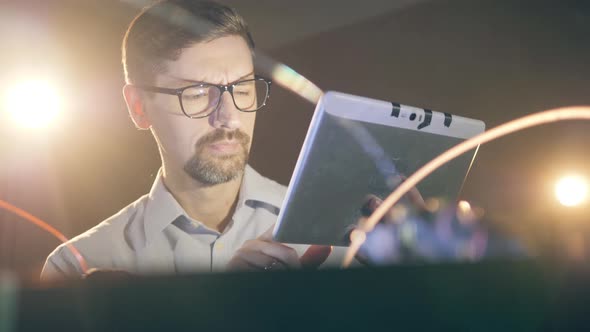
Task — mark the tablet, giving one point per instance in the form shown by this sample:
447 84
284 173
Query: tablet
357 146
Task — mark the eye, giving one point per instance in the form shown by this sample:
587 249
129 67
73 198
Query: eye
196 93
242 92
244 89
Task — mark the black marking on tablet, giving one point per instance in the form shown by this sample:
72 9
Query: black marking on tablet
395 109
427 119
448 119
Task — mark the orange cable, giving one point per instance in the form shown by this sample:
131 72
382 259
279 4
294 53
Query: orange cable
48 228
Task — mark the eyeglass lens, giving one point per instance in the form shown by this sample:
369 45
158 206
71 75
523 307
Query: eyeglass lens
248 96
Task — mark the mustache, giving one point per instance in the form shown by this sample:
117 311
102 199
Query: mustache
221 135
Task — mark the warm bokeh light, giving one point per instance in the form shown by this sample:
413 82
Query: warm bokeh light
33 103
467 214
571 190
464 206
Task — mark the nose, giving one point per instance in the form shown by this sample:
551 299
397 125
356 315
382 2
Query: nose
226 115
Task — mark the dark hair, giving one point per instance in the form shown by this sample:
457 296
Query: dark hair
161 31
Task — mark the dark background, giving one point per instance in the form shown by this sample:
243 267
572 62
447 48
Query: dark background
494 60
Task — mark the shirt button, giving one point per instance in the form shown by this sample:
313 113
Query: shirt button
219 245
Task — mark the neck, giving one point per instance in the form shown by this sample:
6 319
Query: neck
212 205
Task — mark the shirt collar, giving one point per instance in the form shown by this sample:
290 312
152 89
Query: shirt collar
162 208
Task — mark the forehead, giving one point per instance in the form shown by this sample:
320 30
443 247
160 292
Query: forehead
220 61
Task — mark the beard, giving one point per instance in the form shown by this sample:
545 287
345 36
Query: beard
211 169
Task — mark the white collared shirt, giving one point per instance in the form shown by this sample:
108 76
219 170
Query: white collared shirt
154 235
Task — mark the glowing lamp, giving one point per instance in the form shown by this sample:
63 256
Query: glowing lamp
571 190
32 104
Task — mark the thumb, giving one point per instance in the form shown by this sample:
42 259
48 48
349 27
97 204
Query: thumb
267 235
314 256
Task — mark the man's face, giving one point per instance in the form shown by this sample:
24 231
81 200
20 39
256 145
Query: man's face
213 149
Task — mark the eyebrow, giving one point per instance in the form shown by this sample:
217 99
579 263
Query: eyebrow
203 82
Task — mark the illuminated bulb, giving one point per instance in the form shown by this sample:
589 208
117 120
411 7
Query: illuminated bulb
32 104
571 190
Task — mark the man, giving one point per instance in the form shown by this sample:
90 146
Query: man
191 82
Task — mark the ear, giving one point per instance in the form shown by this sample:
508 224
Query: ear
136 107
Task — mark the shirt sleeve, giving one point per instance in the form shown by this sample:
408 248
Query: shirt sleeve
61 264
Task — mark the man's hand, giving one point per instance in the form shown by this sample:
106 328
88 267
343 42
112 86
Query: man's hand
263 254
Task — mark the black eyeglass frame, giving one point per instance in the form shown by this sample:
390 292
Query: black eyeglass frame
222 88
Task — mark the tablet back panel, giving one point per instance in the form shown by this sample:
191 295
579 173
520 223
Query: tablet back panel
357 146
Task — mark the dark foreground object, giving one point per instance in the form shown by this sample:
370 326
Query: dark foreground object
491 296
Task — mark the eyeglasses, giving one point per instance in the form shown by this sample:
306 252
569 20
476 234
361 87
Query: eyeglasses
200 100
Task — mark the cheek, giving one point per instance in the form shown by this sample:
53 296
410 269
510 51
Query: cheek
177 136
248 121
173 131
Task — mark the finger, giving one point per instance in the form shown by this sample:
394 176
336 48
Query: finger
267 235
285 254
239 264
314 256
254 260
